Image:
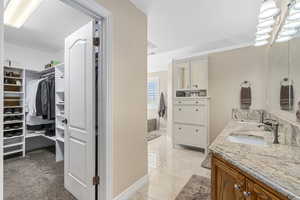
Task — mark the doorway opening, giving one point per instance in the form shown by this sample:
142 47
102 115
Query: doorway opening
51 113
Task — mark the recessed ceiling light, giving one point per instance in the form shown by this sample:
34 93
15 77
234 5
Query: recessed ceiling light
284 38
264 31
262 37
18 11
268 9
261 43
266 23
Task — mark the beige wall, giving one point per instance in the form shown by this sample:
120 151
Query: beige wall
129 73
226 72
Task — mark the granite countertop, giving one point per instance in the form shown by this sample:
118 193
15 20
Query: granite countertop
276 165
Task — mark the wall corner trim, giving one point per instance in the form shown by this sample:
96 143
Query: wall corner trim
131 190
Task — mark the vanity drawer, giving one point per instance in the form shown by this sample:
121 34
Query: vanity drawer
190 102
190 135
190 114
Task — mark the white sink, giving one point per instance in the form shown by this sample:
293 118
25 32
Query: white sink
246 139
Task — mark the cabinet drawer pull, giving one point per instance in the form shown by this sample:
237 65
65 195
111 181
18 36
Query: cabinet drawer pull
246 194
237 187
179 109
197 130
197 101
179 101
197 110
179 128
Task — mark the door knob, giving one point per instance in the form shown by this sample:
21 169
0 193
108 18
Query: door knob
65 121
237 187
246 194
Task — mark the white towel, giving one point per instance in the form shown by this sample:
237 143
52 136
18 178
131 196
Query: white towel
31 97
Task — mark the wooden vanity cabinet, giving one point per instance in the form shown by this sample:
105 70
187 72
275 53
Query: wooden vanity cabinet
230 183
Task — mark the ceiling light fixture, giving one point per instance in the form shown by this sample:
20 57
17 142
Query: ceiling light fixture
18 11
268 9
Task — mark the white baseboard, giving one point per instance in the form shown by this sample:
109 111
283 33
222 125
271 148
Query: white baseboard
126 194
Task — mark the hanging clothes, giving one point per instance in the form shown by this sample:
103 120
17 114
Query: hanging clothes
162 106
45 98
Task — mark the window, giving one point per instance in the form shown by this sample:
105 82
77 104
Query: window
153 93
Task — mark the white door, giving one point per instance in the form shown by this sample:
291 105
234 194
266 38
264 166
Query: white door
80 113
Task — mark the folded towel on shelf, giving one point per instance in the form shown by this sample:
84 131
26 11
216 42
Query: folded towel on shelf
246 99
286 97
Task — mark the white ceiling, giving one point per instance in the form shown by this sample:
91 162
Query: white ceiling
47 27
198 25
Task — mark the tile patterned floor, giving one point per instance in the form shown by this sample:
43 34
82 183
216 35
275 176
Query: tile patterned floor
169 169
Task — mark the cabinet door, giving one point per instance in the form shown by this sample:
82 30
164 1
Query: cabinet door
190 135
199 74
182 75
190 114
228 184
257 192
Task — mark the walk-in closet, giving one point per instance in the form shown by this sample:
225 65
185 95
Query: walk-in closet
35 82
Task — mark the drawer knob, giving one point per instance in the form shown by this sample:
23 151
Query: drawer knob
246 194
237 187
197 130
179 128
179 101
179 109
197 102
197 109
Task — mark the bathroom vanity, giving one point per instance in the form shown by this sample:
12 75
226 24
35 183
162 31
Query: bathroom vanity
251 167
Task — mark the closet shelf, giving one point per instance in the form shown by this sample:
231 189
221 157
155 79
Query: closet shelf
14 122
13 106
13 77
13 129
15 114
59 115
60 128
12 92
60 139
13 145
13 152
12 85
60 92
7 138
60 104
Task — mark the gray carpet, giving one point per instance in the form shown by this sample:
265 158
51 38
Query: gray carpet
197 188
35 177
207 162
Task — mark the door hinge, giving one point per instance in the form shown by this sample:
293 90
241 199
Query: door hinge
96 180
96 41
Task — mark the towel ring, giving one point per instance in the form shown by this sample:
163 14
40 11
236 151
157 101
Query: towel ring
287 80
245 83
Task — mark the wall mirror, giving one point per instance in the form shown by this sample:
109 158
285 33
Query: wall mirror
284 78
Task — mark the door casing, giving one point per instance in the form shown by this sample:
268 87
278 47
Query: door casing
98 12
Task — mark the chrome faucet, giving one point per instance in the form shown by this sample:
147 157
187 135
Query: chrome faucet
273 126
